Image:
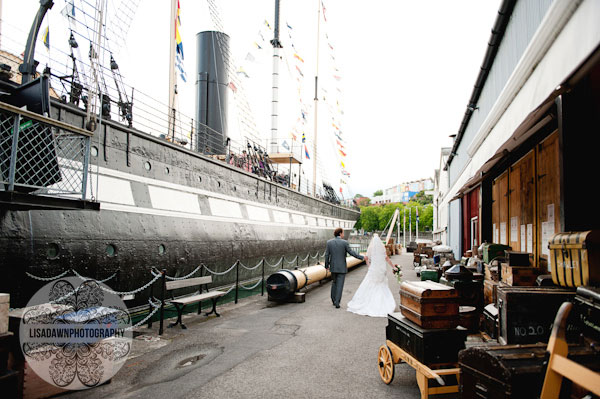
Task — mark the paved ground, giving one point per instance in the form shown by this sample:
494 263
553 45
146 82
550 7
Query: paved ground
261 349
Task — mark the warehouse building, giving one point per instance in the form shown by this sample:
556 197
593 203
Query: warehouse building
524 160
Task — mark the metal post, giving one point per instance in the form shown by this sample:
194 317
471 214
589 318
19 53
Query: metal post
162 300
262 283
237 279
13 154
86 161
404 229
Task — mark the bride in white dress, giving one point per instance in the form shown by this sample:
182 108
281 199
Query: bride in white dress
373 297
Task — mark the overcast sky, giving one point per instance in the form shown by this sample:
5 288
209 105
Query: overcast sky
407 69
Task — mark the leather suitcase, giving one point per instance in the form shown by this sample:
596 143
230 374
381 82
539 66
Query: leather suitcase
575 258
526 314
432 347
429 304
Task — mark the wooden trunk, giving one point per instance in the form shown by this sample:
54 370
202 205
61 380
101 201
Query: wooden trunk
519 275
512 371
429 304
432 347
575 258
526 314
587 305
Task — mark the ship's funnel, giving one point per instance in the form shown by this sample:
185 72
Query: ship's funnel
212 81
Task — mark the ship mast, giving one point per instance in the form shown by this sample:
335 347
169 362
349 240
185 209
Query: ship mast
316 100
172 72
275 91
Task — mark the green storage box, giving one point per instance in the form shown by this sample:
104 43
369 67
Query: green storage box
432 275
491 251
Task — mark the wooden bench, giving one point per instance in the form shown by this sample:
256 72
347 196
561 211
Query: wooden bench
181 303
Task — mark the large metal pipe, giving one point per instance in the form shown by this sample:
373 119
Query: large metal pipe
283 283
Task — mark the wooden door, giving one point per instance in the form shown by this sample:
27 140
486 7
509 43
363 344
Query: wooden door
548 194
500 209
522 205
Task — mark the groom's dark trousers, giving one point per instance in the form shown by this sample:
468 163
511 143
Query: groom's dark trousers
335 261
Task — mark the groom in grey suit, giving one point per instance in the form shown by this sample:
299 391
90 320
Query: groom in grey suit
335 260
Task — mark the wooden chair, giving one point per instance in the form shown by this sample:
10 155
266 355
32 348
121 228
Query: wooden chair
560 366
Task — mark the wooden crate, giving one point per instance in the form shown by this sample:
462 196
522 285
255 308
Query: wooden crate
490 292
519 275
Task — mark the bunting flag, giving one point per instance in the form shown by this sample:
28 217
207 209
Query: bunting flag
303 138
232 87
342 163
285 145
338 143
46 37
342 153
306 152
323 5
241 71
299 71
296 56
179 46
69 10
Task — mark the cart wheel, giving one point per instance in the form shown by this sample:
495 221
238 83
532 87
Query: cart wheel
385 363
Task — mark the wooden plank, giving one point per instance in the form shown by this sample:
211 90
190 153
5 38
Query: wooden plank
190 282
197 298
576 373
500 209
514 206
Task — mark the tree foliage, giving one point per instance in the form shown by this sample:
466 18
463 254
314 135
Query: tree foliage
378 193
376 218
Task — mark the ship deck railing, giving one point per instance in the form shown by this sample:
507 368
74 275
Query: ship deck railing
42 161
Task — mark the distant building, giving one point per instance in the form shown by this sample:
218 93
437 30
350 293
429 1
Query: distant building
440 206
403 192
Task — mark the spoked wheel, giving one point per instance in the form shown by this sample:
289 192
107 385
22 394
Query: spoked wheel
385 364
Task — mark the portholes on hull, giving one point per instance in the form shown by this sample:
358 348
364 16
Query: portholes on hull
234 188
53 251
162 249
199 179
111 250
219 184
147 166
167 171
94 151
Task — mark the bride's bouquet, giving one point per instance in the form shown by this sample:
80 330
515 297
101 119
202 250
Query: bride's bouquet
398 273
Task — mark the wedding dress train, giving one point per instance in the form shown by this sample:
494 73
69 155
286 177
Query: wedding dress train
373 297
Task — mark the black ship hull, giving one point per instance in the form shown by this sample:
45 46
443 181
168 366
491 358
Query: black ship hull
161 206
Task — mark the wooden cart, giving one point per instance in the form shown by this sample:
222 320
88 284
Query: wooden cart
391 354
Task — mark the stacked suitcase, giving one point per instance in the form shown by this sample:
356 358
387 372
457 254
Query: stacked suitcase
426 326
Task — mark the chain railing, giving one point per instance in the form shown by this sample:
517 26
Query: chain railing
250 284
42 155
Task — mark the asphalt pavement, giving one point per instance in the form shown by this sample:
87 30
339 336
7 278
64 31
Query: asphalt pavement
263 349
